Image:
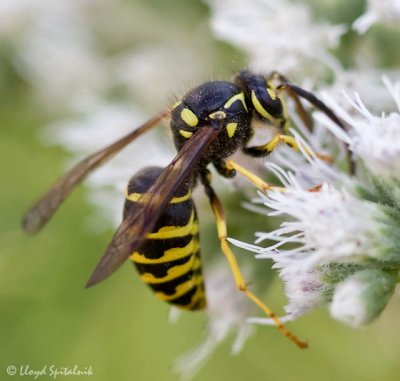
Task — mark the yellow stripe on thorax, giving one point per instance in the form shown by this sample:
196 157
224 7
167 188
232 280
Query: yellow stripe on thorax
169 255
233 99
173 272
165 232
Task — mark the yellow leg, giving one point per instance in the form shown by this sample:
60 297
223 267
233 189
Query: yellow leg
267 148
237 274
258 182
254 179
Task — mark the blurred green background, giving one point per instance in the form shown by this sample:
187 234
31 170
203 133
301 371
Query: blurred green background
118 328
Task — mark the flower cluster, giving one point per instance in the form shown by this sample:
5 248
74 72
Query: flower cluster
341 246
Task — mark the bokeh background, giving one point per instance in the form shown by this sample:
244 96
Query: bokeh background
68 71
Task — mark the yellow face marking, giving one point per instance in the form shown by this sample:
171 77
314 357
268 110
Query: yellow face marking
218 115
235 98
260 109
189 117
186 134
231 128
144 197
271 93
173 272
165 232
169 255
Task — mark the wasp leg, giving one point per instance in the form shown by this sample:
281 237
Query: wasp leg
253 178
266 149
222 168
261 184
237 274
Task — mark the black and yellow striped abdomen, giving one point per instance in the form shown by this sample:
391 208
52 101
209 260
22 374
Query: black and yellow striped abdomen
169 259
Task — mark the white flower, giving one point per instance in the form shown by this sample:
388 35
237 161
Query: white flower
276 34
13 14
55 49
304 288
367 81
343 231
386 11
373 138
160 72
352 237
329 226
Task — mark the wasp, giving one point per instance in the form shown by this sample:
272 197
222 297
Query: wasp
159 231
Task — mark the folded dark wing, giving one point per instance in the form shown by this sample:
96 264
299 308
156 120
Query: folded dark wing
134 228
43 210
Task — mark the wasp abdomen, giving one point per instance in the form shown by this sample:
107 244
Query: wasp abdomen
169 259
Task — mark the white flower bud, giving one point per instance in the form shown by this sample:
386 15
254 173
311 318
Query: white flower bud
362 297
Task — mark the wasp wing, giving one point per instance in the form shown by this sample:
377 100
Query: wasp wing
134 228
43 210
